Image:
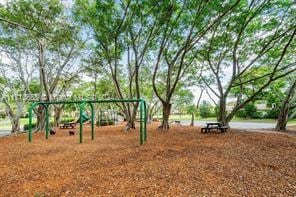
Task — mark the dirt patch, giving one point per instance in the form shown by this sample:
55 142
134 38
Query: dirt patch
181 161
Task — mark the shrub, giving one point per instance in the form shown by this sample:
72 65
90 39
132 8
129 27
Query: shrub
25 115
250 110
34 125
241 114
66 120
205 109
272 113
26 126
2 114
105 122
257 115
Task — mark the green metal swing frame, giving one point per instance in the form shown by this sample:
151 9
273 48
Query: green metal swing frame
82 104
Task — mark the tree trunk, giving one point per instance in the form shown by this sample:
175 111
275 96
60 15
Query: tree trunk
166 109
130 118
282 120
15 125
222 113
40 112
149 119
130 125
192 120
57 115
14 118
284 110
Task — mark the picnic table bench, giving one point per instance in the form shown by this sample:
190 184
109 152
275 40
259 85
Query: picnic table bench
68 125
214 126
175 121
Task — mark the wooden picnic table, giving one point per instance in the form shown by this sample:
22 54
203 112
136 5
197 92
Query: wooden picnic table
68 125
211 126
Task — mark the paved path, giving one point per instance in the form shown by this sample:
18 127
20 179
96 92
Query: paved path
4 132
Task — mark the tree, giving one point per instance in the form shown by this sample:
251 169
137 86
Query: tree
122 36
11 100
184 25
257 34
54 38
191 109
288 104
16 72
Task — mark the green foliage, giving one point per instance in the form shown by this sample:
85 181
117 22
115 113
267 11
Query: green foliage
2 114
182 99
105 122
26 126
249 111
272 113
191 109
241 114
66 120
34 86
46 20
206 109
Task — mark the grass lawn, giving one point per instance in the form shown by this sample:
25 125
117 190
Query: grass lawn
180 162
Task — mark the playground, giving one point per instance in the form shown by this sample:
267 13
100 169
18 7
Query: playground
180 161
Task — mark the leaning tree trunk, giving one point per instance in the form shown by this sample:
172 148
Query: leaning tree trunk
284 110
282 119
14 118
166 109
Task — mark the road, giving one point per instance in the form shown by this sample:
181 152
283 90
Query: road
4 132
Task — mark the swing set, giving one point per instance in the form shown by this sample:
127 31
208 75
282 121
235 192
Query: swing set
82 104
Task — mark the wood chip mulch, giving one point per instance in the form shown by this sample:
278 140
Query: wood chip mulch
180 162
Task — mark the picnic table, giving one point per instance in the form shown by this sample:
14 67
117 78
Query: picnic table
214 126
68 125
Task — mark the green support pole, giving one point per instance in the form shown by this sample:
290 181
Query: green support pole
46 122
81 107
100 118
92 121
30 122
145 121
141 122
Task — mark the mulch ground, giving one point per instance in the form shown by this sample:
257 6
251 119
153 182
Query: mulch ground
180 162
